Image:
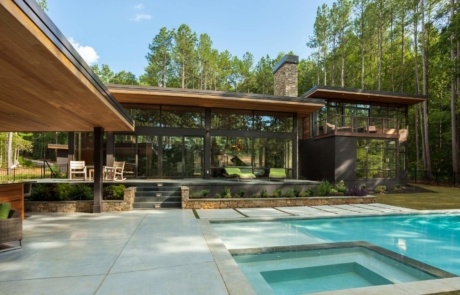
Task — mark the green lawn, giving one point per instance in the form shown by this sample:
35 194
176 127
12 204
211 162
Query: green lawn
430 198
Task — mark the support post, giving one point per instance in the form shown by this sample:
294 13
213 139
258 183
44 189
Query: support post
110 149
207 144
98 154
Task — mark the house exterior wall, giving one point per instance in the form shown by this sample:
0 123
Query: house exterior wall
334 159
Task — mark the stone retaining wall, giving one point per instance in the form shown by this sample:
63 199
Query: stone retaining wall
188 203
83 206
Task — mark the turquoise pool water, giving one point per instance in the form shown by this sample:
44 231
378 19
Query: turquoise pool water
433 239
305 270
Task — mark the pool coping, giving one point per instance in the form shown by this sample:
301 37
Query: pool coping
237 283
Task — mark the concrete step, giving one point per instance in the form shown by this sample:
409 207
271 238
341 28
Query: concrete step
157 193
153 205
174 198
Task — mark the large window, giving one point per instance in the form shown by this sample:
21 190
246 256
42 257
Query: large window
376 158
254 155
231 120
273 122
166 116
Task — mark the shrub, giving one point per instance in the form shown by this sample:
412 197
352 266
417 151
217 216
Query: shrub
305 193
277 193
240 194
39 192
397 188
380 189
357 191
226 192
205 193
264 193
289 193
196 195
63 191
217 196
82 192
324 188
114 192
340 187
297 191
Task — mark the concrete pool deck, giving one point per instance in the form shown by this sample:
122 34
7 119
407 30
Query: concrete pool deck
166 251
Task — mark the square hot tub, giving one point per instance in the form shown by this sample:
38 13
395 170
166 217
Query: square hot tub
326 267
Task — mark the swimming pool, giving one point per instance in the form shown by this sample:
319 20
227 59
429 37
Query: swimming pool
431 238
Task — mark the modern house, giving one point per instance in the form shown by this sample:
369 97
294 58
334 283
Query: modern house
327 133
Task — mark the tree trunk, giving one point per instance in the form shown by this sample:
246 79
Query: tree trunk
9 152
426 142
453 101
380 41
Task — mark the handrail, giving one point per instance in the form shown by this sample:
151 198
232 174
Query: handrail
53 174
356 124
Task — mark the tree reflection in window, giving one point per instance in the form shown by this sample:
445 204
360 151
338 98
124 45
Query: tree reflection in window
376 158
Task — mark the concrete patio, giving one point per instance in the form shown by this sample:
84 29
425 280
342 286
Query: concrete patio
151 252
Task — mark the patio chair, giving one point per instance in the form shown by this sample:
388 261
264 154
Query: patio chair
236 172
114 172
277 173
77 168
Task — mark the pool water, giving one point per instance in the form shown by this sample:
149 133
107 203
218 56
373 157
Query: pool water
326 268
433 238
319 278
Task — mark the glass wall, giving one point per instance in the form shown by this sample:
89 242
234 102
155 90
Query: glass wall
254 155
251 120
222 119
166 116
358 117
174 144
376 158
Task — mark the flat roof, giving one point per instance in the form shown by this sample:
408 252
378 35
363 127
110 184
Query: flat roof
45 85
361 95
129 94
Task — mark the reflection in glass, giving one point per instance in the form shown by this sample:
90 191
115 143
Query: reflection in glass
148 151
231 120
125 150
376 158
273 122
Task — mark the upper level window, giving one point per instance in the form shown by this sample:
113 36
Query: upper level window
223 119
182 117
273 122
166 116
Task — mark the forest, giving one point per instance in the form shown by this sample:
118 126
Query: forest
405 46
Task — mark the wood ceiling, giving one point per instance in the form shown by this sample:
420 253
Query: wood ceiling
44 83
213 99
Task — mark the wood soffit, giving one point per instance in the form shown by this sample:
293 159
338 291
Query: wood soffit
213 99
360 95
44 83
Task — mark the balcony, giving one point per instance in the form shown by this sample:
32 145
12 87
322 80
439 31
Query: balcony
340 125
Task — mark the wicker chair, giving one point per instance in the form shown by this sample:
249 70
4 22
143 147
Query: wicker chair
11 228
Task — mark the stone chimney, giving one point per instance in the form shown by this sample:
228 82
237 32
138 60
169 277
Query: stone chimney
285 74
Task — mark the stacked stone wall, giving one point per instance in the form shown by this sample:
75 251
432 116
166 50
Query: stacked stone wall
83 206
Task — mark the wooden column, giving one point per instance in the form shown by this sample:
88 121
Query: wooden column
98 162
110 149
207 144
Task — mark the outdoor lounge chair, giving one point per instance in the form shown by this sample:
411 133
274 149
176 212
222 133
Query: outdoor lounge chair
114 172
277 173
236 172
77 168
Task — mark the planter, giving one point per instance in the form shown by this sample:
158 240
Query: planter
188 203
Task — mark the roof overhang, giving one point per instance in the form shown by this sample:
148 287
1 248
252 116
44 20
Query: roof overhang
213 99
45 85
360 95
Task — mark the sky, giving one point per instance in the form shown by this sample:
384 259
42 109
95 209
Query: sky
118 32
